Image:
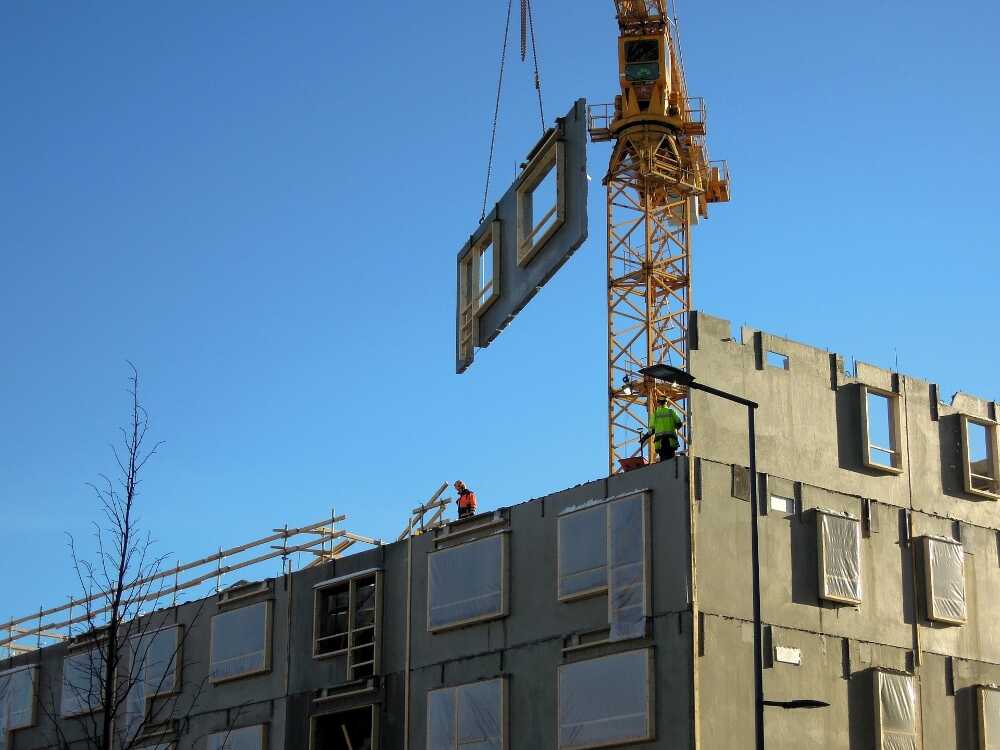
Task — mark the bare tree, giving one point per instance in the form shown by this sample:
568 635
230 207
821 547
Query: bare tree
130 649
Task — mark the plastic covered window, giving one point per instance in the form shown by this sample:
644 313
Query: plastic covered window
82 677
467 717
466 583
944 574
839 539
989 717
627 568
245 738
583 552
605 701
240 642
895 712
603 548
153 671
17 699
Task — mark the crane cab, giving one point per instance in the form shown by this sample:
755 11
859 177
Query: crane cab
644 69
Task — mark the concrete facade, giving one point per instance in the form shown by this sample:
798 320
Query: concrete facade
695 594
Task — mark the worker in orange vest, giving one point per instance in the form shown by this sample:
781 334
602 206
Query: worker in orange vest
466 500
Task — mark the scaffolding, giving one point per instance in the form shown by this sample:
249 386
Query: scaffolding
324 541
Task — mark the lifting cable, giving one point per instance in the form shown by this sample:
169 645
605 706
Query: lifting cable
527 29
496 111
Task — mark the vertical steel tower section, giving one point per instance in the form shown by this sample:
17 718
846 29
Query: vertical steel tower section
659 183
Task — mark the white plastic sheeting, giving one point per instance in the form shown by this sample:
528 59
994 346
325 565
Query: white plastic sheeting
605 701
469 717
17 697
152 672
81 682
627 568
945 573
989 717
239 641
896 696
465 583
245 738
839 558
583 552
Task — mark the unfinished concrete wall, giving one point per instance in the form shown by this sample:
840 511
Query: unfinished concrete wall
810 458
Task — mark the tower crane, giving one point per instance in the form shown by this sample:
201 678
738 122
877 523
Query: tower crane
659 184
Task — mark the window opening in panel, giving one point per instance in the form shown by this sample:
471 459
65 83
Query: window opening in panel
466 717
982 471
777 361
605 701
355 729
240 642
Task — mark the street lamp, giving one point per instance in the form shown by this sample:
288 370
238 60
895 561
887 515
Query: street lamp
678 377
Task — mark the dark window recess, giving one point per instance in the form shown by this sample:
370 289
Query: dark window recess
346 624
347 730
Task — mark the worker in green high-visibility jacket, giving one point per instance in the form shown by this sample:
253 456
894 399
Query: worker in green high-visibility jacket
663 430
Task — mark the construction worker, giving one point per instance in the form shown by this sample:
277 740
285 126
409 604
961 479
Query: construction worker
466 500
664 430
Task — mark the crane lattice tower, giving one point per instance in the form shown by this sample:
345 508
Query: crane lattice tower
659 183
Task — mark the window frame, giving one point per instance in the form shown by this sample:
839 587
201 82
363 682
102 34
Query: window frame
991 446
137 679
895 449
650 701
352 581
824 593
879 674
263 727
551 155
268 635
5 705
504 583
981 691
594 591
504 709
931 610
62 684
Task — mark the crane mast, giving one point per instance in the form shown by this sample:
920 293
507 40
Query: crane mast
659 183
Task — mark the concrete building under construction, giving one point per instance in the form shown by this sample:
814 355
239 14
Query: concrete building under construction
619 612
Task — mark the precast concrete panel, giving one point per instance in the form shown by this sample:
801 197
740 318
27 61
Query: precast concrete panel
522 273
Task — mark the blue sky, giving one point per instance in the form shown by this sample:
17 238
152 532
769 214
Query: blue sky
260 205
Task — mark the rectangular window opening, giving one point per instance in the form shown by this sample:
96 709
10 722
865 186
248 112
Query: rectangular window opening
152 671
603 549
777 361
605 701
988 703
881 426
783 505
347 617
979 448
839 538
82 677
356 729
241 642
541 206
469 717
466 583
944 578
895 711
244 738
17 699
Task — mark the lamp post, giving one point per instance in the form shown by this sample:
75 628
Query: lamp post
680 377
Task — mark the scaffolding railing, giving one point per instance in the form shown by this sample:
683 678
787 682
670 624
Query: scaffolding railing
323 539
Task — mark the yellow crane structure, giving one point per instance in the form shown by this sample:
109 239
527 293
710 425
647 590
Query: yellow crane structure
659 183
